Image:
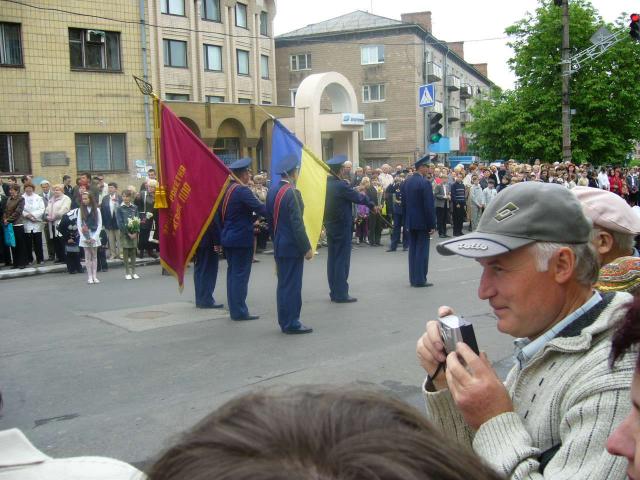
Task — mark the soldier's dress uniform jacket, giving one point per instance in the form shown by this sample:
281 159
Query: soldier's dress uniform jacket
285 210
236 215
420 219
338 221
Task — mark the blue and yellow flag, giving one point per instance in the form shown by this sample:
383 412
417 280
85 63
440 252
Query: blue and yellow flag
312 179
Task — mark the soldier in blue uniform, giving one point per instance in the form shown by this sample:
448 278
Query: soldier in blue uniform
291 245
205 271
338 221
236 216
421 222
395 191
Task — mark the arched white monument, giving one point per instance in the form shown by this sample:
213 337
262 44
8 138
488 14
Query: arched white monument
342 124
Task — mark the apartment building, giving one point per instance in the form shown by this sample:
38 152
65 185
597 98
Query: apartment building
386 61
68 102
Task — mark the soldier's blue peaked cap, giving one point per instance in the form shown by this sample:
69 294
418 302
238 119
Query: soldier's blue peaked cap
240 164
337 160
424 159
287 164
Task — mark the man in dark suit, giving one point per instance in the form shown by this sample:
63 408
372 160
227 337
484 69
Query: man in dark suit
108 209
442 192
395 191
236 215
291 245
421 222
338 221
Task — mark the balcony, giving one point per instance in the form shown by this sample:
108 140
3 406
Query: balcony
465 117
438 108
434 72
466 91
453 82
453 114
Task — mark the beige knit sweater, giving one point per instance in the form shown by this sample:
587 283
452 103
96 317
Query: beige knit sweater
565 397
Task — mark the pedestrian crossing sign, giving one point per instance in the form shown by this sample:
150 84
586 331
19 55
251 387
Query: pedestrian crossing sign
427 95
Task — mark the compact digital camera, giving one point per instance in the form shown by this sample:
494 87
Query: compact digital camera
454 330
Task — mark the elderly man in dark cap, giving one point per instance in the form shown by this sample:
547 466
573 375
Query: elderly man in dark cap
561 399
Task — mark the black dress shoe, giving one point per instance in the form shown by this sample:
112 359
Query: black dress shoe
298 331
249 317
215 305
391 250
422 285
345 300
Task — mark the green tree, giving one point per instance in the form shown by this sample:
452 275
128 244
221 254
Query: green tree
526 123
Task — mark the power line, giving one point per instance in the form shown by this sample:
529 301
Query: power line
191 30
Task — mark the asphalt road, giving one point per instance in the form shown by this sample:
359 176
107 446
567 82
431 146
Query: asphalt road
77 385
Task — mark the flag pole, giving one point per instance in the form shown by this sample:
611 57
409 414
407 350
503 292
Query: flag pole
161 192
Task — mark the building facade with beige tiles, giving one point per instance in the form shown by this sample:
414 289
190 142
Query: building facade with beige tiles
386 61
69 103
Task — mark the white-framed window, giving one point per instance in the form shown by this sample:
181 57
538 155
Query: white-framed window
372 54
101 152
213 58
242 61
10 44
292 95
301 61
264 24
214 99
14 153
175 53
264 67
241 15
244 100
375 130
172 7
177 97
373 93
94 50
211 10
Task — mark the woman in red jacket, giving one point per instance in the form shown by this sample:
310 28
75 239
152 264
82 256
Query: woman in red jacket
616 183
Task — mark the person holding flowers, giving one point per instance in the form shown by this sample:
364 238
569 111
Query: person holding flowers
129 226
89 224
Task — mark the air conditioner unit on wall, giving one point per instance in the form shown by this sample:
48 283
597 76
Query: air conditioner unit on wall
95 36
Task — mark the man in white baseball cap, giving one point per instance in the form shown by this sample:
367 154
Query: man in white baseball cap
552 416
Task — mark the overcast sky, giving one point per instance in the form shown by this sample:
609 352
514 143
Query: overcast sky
453 20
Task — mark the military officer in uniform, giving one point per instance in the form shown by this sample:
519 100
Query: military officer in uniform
291 245
205 271
421 222
395 191
236 217
338 221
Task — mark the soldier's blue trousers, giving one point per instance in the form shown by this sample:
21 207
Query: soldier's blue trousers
418 256
238 270
205 274
289 291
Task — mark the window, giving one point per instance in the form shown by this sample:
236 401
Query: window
293 92
373 93
264 24
266 102
14 153
211 10
177 97
175 53
241 15
242 57
94 50
300 62
101 152
214 99
264 67
244 100
10 44
172 7
376 130
372 54
213 58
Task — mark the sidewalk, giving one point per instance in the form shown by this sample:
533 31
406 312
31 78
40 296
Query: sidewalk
62 268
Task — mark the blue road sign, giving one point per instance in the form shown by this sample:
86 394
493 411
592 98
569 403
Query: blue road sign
427 95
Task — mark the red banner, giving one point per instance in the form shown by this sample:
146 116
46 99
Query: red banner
194 180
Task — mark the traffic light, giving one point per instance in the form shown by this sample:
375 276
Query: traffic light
434 128
634 27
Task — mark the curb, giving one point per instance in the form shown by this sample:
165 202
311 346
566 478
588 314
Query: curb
62 268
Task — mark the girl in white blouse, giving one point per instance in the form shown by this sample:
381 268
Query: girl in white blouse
89 226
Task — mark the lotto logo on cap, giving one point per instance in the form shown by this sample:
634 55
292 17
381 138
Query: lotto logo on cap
520 215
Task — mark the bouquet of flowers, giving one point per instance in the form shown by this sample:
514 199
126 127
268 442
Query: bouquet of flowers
133 225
